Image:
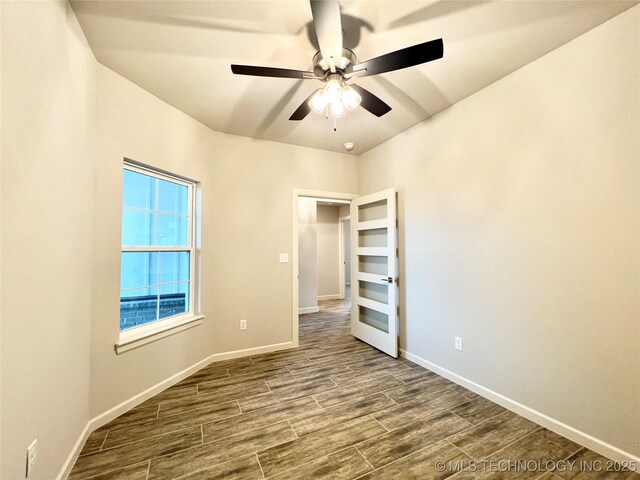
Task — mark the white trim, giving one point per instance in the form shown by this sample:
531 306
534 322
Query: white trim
153 172
156 285
328 200
150 332
372 278
373 224
153 249
144 168
300 192
105 417
341 254
373 305
335 296
161 212
192 189
75 452
302 311
578 436
372 251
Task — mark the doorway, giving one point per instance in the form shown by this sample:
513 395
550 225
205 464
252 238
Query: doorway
374 252
319 274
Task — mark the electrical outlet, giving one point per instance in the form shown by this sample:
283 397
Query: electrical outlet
458 343
284 258
32 454
243 324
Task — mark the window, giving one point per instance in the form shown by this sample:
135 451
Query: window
157 259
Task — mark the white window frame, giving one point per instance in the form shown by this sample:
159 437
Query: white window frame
152 331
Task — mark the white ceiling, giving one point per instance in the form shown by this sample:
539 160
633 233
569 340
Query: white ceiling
181 51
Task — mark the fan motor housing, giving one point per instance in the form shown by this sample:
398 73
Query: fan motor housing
343 65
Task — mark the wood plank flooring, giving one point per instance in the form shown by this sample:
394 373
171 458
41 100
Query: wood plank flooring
335 408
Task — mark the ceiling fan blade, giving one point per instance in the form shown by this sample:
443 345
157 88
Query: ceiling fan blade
258 71
370 102
406 57
328 26
303 110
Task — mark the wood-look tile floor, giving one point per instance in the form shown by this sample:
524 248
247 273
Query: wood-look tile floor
335 408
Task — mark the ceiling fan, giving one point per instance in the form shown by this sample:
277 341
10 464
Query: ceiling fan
335 65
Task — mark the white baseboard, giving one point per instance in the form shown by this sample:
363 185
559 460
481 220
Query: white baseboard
128 404
302 311
335 296
75 452
578 436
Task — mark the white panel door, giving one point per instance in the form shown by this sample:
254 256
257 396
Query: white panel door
374 316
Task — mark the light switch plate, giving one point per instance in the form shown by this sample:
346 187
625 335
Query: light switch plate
284 258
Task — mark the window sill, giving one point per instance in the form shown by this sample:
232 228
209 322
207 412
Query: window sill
140 336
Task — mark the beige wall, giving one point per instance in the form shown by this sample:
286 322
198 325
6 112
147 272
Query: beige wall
67 124
307 254
318 273
519 231
328 251
246 222
48 91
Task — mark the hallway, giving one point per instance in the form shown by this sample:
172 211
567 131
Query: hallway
335 408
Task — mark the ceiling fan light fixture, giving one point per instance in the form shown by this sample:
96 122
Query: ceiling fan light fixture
350 98
334 64
318 102
332 91
336 110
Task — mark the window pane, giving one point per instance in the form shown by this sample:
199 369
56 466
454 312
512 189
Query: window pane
174 299
139 269
139 190
138 307
172 198
174 267
138 227
153 284
172 230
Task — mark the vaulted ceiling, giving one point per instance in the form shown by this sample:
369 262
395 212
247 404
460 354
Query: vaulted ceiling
181 50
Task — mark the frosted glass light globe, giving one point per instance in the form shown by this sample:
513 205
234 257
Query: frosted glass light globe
318 102
336 109
350 98
332 91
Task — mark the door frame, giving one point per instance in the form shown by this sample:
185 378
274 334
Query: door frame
301 192
341 254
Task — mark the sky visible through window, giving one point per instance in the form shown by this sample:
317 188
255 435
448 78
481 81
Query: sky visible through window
153 284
